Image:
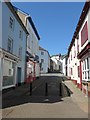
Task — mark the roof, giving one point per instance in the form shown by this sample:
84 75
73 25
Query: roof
80 22
63 56
10 6
33 26
40 48
30 20
56 55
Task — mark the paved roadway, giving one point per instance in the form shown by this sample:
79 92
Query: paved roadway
72 103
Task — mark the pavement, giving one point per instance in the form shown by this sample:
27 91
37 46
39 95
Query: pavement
73 103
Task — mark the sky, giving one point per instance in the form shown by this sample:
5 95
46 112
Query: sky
55 22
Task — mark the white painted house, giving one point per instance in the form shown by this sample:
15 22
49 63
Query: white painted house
12 47
57 65
79 52
44 59
32 51
63 60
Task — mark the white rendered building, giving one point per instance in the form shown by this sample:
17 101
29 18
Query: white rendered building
57 65
79 52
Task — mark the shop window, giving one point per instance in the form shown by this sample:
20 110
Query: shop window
8 73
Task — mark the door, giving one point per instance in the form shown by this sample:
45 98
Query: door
18 75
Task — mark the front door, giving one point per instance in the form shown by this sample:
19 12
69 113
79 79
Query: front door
19 75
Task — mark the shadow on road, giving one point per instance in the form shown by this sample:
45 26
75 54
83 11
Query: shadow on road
56 90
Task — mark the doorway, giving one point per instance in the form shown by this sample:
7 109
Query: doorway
19 75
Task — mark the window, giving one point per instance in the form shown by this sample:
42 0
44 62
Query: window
87 63
86 69
42 53
10 71
71 56
77 46
42 60
20 34
10 45
78 71
20 52
71 72
74 51
84 34
11 23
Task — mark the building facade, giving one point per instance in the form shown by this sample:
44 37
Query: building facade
32 51
44 59
79 52
57 65
12 47
63 60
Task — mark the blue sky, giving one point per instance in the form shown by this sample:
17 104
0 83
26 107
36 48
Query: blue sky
55 22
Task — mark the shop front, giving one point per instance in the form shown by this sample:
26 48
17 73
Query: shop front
9 65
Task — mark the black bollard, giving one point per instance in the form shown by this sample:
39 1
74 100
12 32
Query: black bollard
30 88
60 89
46 89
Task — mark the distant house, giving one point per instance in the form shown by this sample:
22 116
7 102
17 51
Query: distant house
79 52
12 47
63 60
44 59
57 65
32 50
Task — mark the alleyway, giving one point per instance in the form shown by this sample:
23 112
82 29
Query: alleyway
72 104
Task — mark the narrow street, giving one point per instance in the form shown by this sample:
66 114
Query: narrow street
63 100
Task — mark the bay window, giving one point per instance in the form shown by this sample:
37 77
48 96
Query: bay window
86 69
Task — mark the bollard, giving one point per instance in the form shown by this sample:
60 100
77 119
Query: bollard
46 89
30 88
60 89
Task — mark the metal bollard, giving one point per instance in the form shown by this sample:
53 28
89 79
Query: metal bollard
46 89
60 89
30 88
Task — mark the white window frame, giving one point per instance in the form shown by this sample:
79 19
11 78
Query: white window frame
86 70
10 45
11 23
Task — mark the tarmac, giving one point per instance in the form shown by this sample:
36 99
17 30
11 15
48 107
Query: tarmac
18 103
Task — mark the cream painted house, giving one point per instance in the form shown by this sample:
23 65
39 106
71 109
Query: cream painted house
79 52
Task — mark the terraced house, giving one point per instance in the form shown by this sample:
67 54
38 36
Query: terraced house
79 52
12 47
44 59
32 50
